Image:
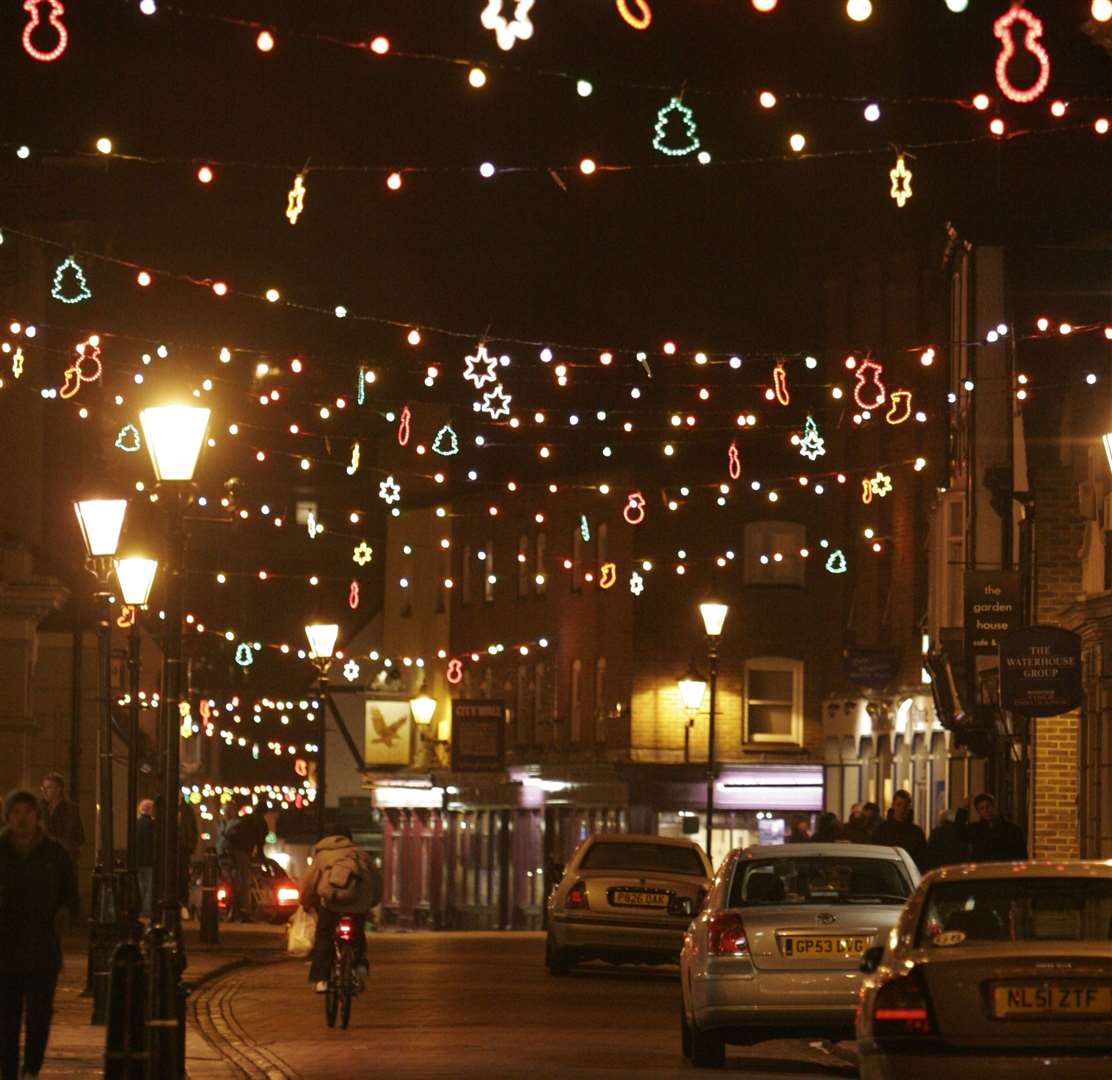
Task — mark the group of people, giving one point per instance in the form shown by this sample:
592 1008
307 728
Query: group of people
955 839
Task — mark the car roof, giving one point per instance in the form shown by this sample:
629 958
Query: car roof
1034 868
839 849
641 838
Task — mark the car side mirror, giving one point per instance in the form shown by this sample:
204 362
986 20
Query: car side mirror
871 958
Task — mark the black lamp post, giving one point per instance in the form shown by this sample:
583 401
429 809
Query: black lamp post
322 649
714 616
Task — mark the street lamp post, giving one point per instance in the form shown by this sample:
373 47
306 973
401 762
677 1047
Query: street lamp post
423 709
101 522
322 648
174 435
714 616
692 687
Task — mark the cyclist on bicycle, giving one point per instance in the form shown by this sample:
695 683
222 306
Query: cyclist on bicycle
340 882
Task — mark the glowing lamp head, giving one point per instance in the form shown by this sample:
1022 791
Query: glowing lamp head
797 142
265 41
692 687
587 166
322 640
101 521
859 10
135 574
380 45
174 435
423 707
477 78
1101 10
714 617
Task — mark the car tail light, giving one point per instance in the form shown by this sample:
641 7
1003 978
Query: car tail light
577 897
345 929
901 1007
221 896
288 895
726 934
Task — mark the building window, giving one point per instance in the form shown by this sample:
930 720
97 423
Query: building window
465 577
522 567
772 553
601 710
575 703
576 558
488 573
303 510
773 700
540 580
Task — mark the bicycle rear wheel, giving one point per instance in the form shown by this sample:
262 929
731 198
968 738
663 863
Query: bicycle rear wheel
347 983
332 994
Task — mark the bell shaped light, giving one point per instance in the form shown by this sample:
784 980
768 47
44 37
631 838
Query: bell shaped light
101 521
136 576
714 616
174 435
322 640
692 687
423 706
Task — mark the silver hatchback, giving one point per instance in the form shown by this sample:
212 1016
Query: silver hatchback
777 948
625 899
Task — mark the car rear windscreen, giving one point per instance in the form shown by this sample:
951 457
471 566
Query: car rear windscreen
1017 909
658 858
818 879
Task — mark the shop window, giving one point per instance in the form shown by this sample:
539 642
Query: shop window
522 567
772 553
465 577
773 700
601 709
575 703
540 579
488 573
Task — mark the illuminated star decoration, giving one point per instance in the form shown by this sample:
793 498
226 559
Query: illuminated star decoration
636 583
353 468
446 443
351 670
660 131
17 362
58 287
502 408
295 201
482 359
362 553
245 655
507 32
812 443
901 181
127 439
836 563
389 491
881 484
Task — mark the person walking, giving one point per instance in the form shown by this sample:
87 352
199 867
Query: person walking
828 830
800 830
38 894
862 823
60 816
243 838
949 842
189 835
144 852
898 830
340 882
993 838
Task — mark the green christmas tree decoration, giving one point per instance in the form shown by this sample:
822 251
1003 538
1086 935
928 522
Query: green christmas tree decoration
660 132
70 285
446 443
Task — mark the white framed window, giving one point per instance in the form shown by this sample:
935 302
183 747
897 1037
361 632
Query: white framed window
773 707
772 553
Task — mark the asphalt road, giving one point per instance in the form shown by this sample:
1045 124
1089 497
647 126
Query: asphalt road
481 1005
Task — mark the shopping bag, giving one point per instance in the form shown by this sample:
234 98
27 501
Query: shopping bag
301 930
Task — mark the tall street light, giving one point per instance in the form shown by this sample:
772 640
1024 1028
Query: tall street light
174 435
322 648
101 522
714 616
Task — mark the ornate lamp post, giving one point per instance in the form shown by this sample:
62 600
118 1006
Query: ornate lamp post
322 649
714 616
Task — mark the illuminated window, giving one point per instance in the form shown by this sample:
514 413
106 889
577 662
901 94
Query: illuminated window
772 553
302 510
773 700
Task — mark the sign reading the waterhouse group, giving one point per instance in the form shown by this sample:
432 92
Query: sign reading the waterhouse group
991 609
1040 671
478 735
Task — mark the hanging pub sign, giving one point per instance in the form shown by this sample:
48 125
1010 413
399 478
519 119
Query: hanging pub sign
1040 671
478 735
991 609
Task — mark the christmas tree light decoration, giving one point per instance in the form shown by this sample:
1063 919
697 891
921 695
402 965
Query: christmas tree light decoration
245 655
362 553
353 467
480 368
508 31
17 362
866 491
389 491
867 373
403 426
636 583
639 19
80 290
660 131
780 384
454 674
295 200
446 443
127 439
836 562
900 176
812 444
607 575
353 596
496 403
584 528
733 461
881 484
34 23
351 670
634 510
899 408
1002 29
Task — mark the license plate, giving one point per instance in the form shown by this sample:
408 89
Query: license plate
1056 1000
800 947
643 898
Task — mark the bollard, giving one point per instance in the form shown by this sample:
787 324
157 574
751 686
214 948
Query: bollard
165 1007
125 1052
104 933
210 910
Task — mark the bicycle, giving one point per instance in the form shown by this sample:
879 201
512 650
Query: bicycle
341 976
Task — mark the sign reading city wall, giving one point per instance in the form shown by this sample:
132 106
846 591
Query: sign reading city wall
478 735
991 609
1040 671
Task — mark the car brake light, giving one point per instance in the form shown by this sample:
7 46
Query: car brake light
726 934
345 929
577 897
900 1007
288 895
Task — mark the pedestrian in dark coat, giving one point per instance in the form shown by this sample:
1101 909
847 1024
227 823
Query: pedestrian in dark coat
898 830
38 895
60 816
949 842
862 824
993 838
828 830
144 851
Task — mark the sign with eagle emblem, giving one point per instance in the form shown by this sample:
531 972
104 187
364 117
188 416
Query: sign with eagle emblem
388 733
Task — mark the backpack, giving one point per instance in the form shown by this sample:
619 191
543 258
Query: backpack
340 881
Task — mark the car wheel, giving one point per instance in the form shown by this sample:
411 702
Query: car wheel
558 961
685 1032
708 1048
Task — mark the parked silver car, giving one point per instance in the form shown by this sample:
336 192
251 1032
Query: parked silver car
995 970
778 944
625 899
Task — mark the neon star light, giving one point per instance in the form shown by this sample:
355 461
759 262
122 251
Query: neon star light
869 391
446 443
85 369
245 655
403 426
836 563
496 402
34 22
811 445
660 131
58 288
607 575
362 553
295 200
636 583
481 359
733 461
127 439
390 491
881 484
900 176
508 31
351 670
353 596
639 19
899 407
353 466
780 384
1033 29
17 362
634 510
